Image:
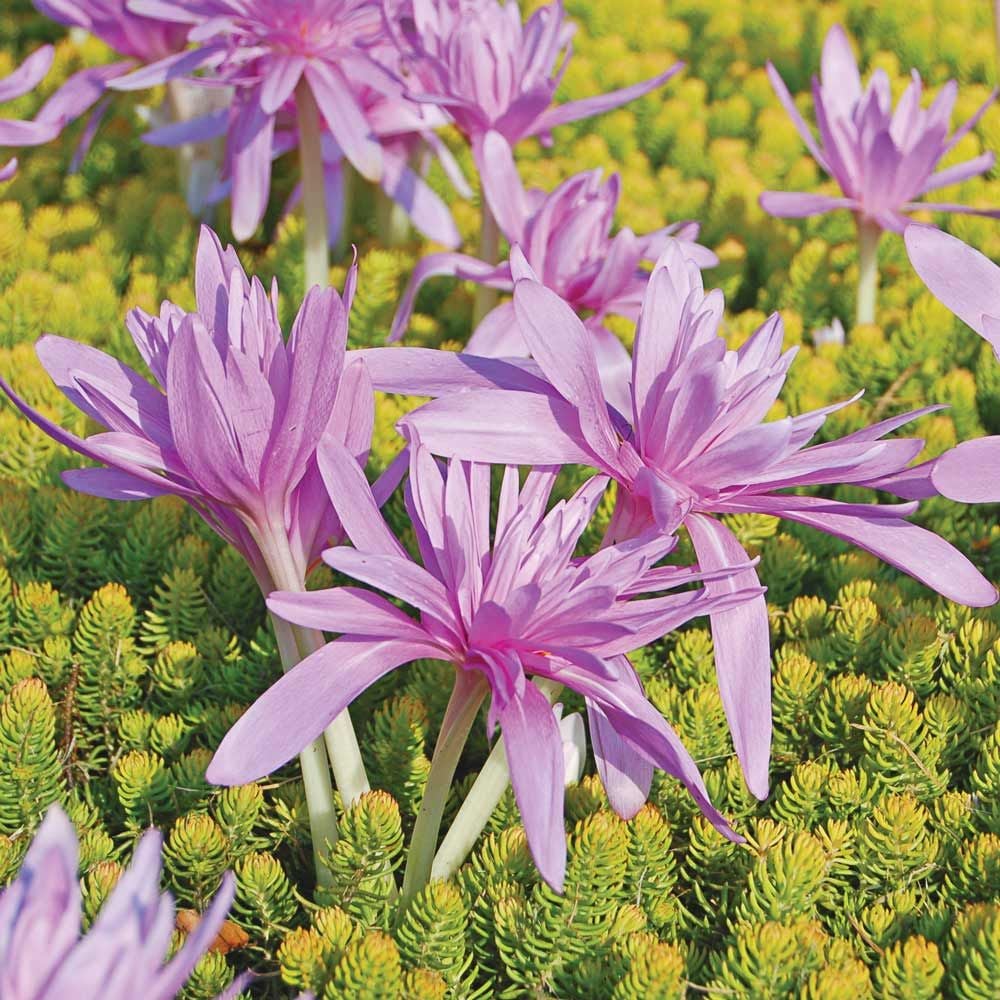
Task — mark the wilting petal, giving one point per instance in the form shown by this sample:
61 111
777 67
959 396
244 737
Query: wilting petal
534 751
296 709
742 650
969 473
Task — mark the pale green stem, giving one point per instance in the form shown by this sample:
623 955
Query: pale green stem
317 239
315 771
349 184
294 644
466 697
391 221
869 234
483 798
341 741
489 250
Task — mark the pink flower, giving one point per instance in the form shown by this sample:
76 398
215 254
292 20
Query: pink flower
114 23
883 160
234 417
264 50
490 71
44 956
693 445
499 608
566 237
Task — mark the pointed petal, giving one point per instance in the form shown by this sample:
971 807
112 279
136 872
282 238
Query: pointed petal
281 77
564 349
502 187
964 280
590 106
742 650
626 774
353 500
799 205
296 709
347 610
534 751
345 119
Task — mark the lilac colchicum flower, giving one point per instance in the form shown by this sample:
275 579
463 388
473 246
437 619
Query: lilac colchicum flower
499 612
968 283
490 71
277 53
44 956
566 237
232 427
832 334
478 62
25 133
884 160
136 37
692 446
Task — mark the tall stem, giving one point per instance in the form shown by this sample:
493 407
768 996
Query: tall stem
489 251
869 234
466 697
341 741
483 797
315 771
317 239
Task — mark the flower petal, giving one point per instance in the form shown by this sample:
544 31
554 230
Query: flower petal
296 709
533 745
969 473
742 650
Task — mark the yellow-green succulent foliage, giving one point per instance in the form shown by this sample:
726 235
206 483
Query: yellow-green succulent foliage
131 639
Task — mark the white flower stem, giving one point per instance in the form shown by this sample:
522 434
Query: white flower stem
489 251
869 234
295 643
466 697
315 772
483 797
391 221
317 240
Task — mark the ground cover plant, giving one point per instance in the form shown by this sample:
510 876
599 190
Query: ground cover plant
819 819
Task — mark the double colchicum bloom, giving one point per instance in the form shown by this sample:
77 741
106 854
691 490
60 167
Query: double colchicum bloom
276 54
566 237
489 70
693 445
501 607
44 956
884 160
232 426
